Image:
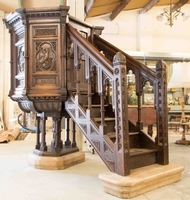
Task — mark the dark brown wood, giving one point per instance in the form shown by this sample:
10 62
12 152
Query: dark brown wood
43 145
148 115
162 113
67 141
38 131
74 144
122 149
110 50
39 69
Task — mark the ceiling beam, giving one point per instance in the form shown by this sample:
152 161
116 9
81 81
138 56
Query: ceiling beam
148 6
179 4
120 7
88 7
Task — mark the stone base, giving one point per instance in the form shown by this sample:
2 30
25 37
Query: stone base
140 180
55 163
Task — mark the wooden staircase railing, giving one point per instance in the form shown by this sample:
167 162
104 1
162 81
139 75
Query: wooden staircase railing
106 73
89 73
158 80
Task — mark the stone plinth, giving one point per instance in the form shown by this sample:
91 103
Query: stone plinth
140 180
55 163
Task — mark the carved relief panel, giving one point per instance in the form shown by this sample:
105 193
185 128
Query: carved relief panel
45 62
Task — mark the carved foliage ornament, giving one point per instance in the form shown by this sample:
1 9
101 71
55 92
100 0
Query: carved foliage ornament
20 60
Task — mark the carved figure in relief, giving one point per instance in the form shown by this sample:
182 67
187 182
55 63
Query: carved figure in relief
45 56
21 66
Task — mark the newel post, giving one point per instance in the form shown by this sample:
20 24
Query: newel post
161 113
121 115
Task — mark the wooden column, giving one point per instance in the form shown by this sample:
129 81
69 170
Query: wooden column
43 146
121 116
162 113
74 144
38 131
67 141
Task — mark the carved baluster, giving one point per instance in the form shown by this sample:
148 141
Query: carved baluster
78 79
67 141
43 146
89 92
162 113
54 135
121 150
77 65
139 123
86 67
94 81
38 131
102 108
58 142
74 144
108 92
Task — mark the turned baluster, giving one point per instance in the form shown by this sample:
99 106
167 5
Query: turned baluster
74 144
102 110
139 122
89 93
108 91
43 146
38 132
67 141
58 142
53 140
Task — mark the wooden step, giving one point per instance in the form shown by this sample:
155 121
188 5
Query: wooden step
133 138
140 157
141 151
95 110
112 134
110 123
107 119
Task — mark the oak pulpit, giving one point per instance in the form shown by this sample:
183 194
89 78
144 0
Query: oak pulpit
38 70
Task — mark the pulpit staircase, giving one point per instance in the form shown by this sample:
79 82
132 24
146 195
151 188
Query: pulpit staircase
97 100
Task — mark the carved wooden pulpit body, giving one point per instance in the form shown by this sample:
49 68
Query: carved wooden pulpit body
38 58
38 66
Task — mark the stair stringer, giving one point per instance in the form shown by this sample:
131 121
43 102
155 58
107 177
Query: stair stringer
100 142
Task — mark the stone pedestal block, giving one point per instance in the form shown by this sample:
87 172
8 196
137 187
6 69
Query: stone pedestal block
140 180
55 163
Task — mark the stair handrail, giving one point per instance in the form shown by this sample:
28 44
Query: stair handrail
132 63
159 82
89 30
92 51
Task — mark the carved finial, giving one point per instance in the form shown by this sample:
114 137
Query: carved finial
160 65
119 58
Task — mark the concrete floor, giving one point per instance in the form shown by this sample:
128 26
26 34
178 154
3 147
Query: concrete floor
22 182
